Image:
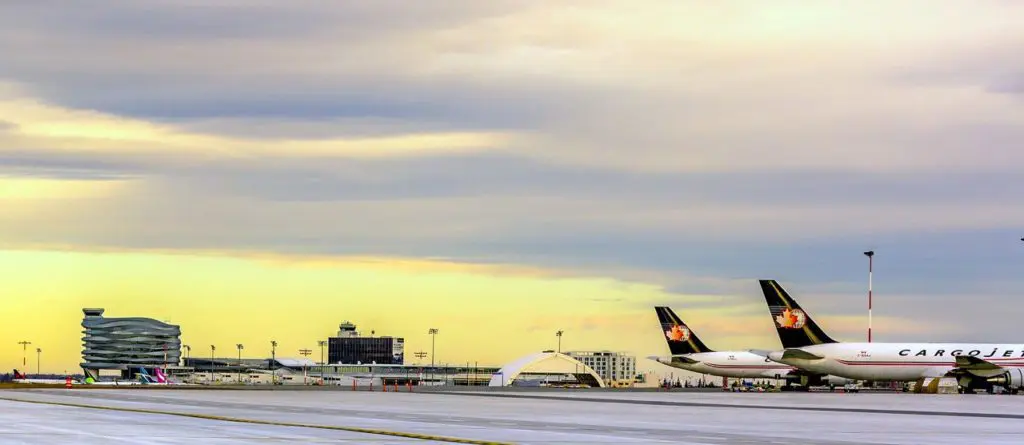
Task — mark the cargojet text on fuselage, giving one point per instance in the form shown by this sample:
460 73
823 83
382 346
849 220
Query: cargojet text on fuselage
689 353
807 346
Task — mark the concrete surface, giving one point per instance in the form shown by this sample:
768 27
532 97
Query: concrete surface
1003 406
734 418
41 424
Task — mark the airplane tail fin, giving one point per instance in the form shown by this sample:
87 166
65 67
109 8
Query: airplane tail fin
794 326
19 375
160 376
681 340
144 376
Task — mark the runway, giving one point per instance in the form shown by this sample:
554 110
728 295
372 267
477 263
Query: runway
558 418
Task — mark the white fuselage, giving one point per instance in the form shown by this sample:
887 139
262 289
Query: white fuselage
40 381
898 361
739 364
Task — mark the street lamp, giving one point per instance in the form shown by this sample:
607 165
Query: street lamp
24 350
433 337
212 350
273 359
39 352
323 364
559 335
871 255
240 348
305 353
188 353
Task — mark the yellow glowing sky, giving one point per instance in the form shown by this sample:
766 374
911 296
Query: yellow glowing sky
492 315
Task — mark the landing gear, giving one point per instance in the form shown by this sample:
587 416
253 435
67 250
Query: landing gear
973 386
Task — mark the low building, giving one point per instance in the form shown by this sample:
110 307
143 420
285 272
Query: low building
288 371
351 348
226 365
615 368
246 370
127 344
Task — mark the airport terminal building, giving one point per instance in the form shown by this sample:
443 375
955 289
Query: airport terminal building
127 344
350 348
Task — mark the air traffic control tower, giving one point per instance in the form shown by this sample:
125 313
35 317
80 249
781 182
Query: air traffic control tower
127 344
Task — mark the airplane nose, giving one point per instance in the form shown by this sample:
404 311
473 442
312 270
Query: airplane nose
775 356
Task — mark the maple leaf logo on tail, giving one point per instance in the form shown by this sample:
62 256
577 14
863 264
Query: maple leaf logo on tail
791 319
678 333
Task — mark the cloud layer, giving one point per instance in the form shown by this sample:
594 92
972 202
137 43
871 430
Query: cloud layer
686 144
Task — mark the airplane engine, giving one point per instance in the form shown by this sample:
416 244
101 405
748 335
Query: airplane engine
837 381
827 380
1013 379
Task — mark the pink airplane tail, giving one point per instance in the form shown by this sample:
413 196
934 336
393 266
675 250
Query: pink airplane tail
160 377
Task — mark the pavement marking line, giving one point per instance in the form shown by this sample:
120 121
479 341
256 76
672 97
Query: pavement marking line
267 422
729 405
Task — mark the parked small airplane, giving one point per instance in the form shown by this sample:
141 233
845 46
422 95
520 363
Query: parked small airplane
689 353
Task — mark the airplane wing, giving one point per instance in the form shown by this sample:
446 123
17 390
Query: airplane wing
800 354
977 366
796 353
684 359
967 366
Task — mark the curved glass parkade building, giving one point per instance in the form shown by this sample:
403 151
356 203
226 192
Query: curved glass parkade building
127 344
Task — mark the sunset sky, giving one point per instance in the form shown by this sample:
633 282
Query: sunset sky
502 169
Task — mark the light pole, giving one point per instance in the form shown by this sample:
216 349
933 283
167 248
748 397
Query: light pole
559 335
305 353
24 350
323 364
188 353
212 350
871 256
240 348
39 352
433 337
273 359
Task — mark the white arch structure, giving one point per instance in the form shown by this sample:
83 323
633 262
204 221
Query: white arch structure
542 362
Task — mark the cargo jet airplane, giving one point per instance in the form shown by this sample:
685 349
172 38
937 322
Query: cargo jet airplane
808 347
689 353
